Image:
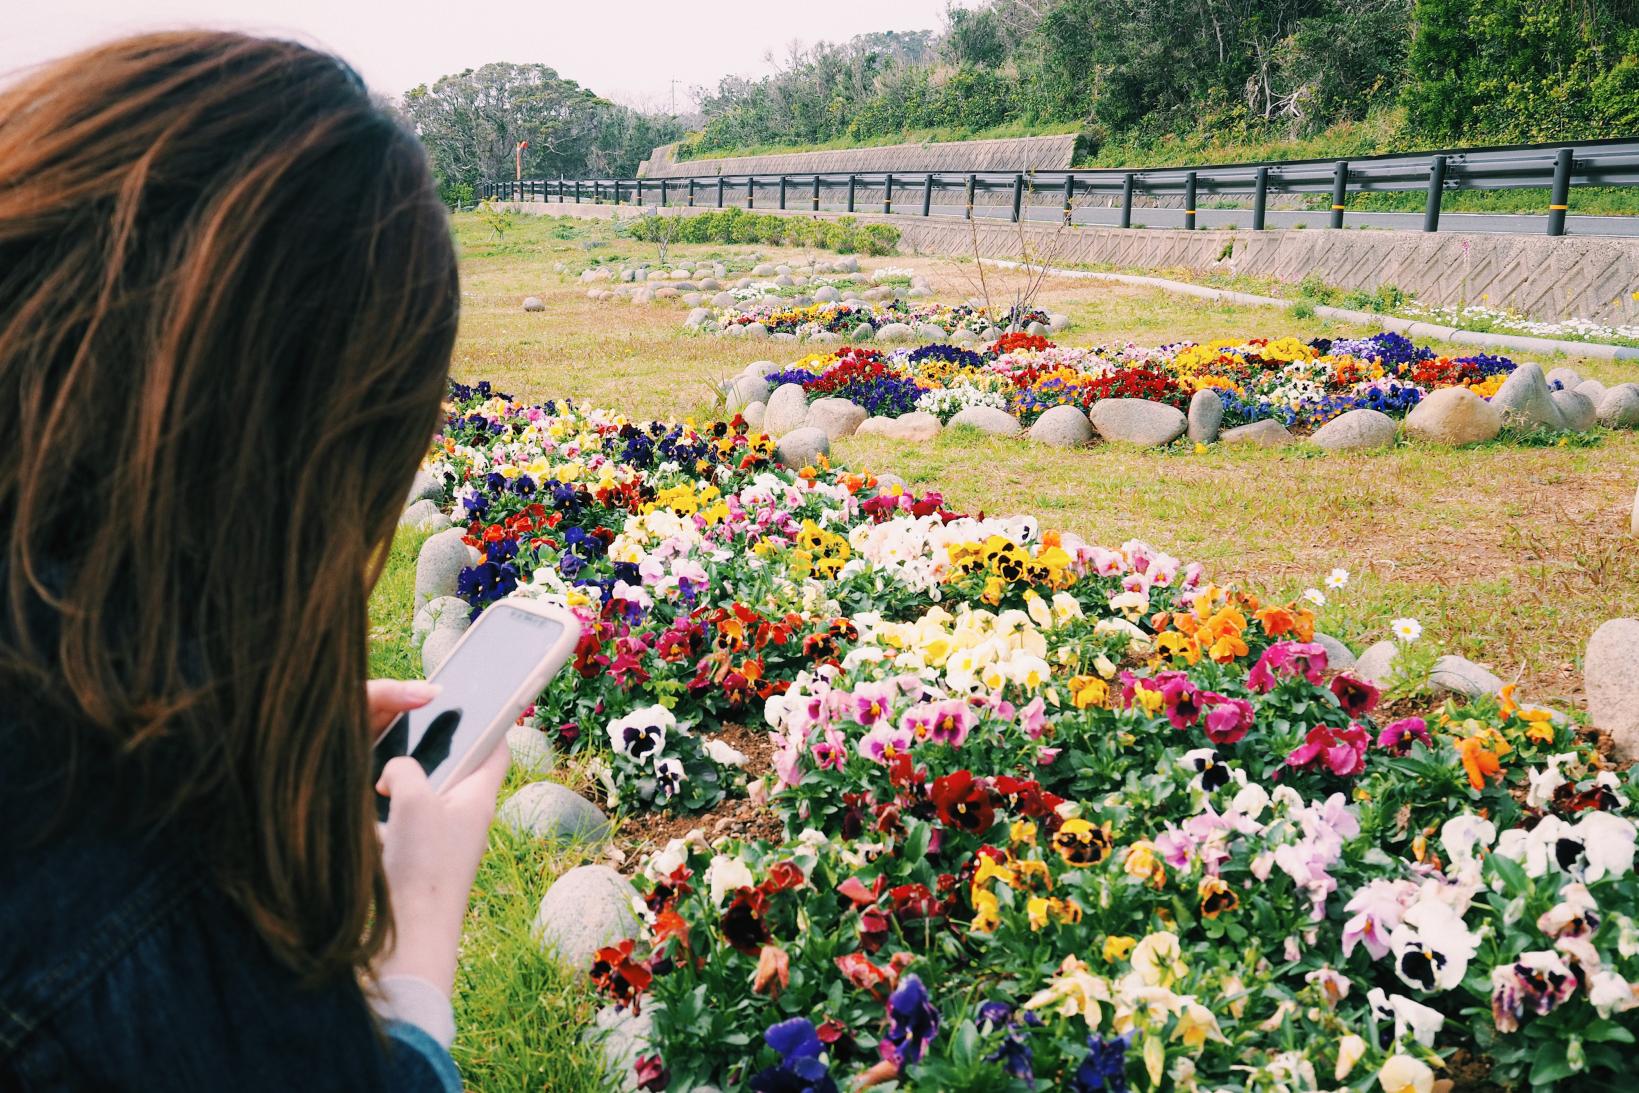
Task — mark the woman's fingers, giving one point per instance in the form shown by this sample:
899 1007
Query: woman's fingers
402 779
387 698
482 785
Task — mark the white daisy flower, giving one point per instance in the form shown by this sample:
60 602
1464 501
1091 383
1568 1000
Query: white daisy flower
1315 596
1337 579
1406 630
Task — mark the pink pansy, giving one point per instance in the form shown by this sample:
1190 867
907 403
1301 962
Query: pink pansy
787 759
1357 697
1032 719
918 720
830 751
1181 699
872 702
884 741
1046 756
952 721
1341 751
1398 735
1175 847
1228 719
1285 660
1375 911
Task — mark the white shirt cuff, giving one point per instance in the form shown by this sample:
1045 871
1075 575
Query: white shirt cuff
413 1000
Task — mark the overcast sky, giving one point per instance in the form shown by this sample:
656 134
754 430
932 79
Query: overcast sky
630 50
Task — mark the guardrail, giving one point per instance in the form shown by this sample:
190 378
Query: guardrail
1555 166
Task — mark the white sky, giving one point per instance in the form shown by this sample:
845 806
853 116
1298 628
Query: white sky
629 50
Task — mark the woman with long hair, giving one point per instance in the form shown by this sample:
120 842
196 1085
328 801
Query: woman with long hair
228 300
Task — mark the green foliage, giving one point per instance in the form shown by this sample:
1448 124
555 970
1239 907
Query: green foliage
845 235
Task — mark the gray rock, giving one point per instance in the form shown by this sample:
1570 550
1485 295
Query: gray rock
1376 664
1566 378
1576 410
743 390
1339 657
782 336
1062 426
692 299
424 515
444 613
646 296
1593 389
801 447
1619 407
864 332
895 332
918 292
760 369
1038 329
763 269
664 292
837 416
1610 674
787 409
596 294
824 337
697 316
850 264
437 648
533 303
1267 433
710 284
531 751
1057 322
1454 416
784 281
1361 428
827 295
931 332
756 330
1137 421
1206 416
754 415
442 558
548 810
919 425
1524 399
585 909
425 486
1463 677
988 419
733 330
623 1039
723 299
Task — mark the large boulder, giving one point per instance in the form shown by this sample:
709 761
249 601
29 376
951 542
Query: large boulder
444 613
696 317
1137 421
919 425
531 751
1464 677
1566 379
624 1037
931 332
1376 663
533 303
1062 426
787 409
1593 389
863 332
548 810
425 487
440 563
800 447
1526 400
1454 416
755 331
437 649
424 515
1361 428
1610 675
743 390
586 909
837 416
988 419
1619 407
723 299
1339 657
825 294
1267 433
895 332
753 415
1576 410
1206 416
1633 521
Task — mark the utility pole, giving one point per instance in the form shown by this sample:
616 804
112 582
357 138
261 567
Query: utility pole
674 96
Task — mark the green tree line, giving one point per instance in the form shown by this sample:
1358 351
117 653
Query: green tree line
1127 72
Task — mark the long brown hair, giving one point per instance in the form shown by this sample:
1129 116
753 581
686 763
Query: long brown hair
227 305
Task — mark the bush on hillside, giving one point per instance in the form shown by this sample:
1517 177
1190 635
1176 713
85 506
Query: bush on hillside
845 235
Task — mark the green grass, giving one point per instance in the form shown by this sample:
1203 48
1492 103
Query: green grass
686 151
1508 554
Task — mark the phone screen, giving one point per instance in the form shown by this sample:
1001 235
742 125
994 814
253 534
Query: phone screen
506 646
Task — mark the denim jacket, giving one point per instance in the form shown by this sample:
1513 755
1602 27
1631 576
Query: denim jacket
122 968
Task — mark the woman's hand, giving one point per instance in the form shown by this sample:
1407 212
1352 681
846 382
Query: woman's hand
431 845
387 698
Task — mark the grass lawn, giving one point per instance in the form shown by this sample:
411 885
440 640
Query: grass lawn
1508 554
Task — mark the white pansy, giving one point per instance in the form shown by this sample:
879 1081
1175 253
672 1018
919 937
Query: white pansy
725 876
724 753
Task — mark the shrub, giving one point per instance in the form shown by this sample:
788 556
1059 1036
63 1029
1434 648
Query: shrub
844 235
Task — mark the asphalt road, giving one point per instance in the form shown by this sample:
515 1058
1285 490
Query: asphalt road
1496 223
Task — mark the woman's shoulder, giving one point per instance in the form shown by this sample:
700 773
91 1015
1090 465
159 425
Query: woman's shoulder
122 967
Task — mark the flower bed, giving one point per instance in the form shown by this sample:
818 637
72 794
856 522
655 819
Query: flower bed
840 318
1297 383
1055 816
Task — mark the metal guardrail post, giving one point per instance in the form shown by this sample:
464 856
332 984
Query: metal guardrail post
972 183
1340 191
1260 198
616 200
1127 201
887 194
782 191
664 186
1069 198
927 195
1436 193
577 191
1559 202
719 191
691 193
815 197
1189 201
852 180
1018 196
751 192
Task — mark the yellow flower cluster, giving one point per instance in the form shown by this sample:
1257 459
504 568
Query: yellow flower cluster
1004 563
976 648
818 553
1029 876
684 500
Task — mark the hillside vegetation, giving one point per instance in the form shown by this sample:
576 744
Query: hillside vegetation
1150 82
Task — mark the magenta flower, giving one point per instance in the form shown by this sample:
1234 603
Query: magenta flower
830 752
1357 697
918 720
952 721
1398 735
1286 660
1181 699
1342 751
1032 719
1228 719
872 702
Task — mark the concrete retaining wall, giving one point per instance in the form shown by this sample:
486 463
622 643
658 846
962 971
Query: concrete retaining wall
1541 277
1009 154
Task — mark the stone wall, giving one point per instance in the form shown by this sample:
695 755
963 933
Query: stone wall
1541 277
1009 154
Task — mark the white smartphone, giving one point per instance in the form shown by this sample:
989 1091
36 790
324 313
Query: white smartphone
495 672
